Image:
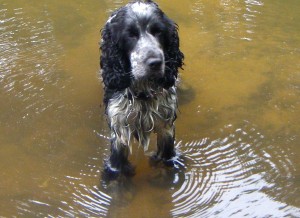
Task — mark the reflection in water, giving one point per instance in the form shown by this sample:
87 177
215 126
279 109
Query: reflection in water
241 64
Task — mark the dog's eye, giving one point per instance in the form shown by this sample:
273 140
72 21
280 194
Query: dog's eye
133 33
156 30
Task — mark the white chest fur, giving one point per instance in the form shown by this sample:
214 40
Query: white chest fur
128 116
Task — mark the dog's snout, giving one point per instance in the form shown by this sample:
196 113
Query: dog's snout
147 59
155 63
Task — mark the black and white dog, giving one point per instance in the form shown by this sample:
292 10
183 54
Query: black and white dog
139 62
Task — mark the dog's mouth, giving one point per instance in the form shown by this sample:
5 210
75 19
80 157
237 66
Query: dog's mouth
148 76
151 80
154 76
145 89
145 95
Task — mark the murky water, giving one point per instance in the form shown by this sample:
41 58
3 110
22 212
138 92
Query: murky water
238 126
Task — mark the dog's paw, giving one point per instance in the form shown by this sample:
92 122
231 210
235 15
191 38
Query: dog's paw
176 162
128 170
154 160
110 173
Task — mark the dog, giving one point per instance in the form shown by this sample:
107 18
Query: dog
139 62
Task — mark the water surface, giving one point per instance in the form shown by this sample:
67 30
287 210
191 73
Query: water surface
238 125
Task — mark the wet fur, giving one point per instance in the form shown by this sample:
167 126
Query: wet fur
138 100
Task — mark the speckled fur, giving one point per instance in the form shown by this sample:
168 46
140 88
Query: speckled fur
139 117
139 61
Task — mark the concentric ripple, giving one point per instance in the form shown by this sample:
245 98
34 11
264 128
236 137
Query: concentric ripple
234 169
83 201
74 194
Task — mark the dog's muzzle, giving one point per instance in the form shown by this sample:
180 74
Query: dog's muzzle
147 59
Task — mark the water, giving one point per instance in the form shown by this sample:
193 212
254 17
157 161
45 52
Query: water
238 125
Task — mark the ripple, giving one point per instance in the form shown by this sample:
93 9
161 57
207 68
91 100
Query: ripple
77 199
234 169
92 201
29 58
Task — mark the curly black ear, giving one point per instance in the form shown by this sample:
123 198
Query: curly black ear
173 56
114 65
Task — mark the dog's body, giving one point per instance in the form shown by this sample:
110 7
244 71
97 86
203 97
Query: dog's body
139 61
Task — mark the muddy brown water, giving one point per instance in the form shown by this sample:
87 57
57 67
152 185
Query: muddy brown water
238 125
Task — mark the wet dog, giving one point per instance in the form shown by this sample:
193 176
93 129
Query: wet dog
140 58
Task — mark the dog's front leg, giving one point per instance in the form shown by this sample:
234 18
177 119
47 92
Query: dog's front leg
118 162
165 144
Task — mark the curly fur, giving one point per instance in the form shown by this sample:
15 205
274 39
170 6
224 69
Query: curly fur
139 61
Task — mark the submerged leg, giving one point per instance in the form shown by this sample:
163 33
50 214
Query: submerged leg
165 145
118 162
166 151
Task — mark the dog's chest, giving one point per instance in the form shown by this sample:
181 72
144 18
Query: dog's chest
147 116
132 115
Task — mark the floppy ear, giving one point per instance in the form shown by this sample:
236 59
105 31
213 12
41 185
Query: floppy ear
113 62
173 56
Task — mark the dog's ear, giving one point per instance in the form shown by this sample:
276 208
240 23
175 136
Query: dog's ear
115 68
173 56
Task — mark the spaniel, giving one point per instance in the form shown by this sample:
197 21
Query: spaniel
139 63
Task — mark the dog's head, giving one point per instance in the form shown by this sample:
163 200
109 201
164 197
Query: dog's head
139 42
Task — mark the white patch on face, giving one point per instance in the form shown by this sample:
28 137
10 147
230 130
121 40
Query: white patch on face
134 59
137 67
142 9
145 46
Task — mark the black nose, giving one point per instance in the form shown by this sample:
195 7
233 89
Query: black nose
154 63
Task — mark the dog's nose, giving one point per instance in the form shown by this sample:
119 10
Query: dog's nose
154 63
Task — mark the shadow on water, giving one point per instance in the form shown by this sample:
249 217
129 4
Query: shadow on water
186 93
